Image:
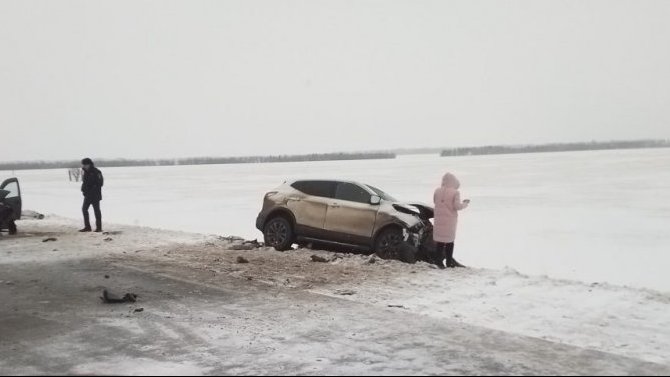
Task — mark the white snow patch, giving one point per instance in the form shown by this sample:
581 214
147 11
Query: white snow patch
140 367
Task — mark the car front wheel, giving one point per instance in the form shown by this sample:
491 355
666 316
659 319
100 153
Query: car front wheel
389 244
278 233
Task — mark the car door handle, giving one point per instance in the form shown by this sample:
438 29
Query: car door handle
335 205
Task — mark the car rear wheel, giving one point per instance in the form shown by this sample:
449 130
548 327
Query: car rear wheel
389 244
278 233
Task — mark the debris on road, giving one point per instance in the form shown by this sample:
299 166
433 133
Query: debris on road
110 298
31 215
230 239
242 260
345 292
108 239
242 247
139 310
397 306
106 276
50 239
316 258
246 245
112 233
255 243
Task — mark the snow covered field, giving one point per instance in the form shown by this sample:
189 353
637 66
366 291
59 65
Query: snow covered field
589 216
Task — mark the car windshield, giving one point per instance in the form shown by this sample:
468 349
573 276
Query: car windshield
382 194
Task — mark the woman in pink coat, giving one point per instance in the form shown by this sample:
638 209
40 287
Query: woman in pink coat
448 202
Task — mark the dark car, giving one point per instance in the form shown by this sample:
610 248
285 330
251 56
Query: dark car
348 214
10 204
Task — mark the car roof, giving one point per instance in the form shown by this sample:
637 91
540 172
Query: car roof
326 180
360 184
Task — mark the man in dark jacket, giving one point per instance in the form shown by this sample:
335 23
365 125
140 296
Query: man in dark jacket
92 190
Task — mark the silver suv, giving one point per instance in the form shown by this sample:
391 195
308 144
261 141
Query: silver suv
349 214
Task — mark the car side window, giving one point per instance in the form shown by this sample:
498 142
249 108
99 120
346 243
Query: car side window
323 189
352 193
13 189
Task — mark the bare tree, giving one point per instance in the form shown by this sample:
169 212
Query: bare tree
74 174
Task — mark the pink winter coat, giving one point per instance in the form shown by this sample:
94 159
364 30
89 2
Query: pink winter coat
447 204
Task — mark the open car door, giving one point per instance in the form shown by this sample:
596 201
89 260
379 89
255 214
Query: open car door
13 198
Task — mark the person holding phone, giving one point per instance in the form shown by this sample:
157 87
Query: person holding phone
448 202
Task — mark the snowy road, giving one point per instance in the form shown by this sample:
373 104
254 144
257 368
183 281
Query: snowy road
282 314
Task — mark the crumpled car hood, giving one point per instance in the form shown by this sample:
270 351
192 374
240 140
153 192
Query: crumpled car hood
424 211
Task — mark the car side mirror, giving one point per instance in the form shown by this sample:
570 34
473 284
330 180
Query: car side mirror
375 200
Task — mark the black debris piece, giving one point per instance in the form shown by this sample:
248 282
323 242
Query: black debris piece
242 247
316 258
230 239
110 298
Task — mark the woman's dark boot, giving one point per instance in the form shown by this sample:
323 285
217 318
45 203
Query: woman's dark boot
451 262
458 265
438 257
455 264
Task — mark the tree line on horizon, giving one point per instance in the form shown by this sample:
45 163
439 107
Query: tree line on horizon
463 151
555 147
29 165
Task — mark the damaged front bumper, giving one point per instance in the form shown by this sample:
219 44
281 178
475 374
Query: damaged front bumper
419 235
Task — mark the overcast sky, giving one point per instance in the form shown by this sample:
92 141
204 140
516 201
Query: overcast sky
197 78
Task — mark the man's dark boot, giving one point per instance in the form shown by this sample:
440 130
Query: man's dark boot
85 230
